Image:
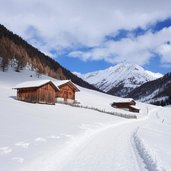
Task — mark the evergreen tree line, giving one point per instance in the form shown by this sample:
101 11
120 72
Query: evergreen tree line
14 48
163 102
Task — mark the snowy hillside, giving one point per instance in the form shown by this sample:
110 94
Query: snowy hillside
37 137
120 79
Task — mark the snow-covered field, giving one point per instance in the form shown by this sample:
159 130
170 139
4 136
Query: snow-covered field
36 137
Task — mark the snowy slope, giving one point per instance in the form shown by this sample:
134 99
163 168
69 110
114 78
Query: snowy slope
128 76
60 137
31 131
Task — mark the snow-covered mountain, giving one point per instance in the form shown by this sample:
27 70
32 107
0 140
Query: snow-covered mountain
157 91
120 79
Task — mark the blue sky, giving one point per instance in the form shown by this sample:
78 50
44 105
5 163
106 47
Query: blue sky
154 64
77 65
86 36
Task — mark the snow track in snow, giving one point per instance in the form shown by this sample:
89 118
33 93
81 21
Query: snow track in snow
151 163
106 147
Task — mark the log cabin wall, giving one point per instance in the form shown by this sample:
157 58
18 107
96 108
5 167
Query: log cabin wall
44 94
123 104
27 94
66 92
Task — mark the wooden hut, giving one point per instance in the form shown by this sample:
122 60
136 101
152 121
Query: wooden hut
127 104
134 109
42 91
67 90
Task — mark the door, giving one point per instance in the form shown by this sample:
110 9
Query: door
65 95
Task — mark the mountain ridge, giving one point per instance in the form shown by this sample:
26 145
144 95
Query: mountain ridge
156 92
120 79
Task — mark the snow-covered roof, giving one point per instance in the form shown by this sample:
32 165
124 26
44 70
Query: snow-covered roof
135 107
61 82
124 100
36 83
127 100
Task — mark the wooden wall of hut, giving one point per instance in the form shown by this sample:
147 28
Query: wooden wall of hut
43 94
46 94
121 105
66 92
27 94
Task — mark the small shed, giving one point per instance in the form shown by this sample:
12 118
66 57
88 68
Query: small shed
134 109
41 91
67 89
127 104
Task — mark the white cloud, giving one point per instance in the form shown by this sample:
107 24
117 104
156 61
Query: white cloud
61 24
165 51
137 50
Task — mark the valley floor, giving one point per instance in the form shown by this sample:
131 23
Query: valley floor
37 137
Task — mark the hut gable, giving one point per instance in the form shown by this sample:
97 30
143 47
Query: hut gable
67 89
61 83
43 91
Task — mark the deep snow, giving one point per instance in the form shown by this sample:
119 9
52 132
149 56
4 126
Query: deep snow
60 137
